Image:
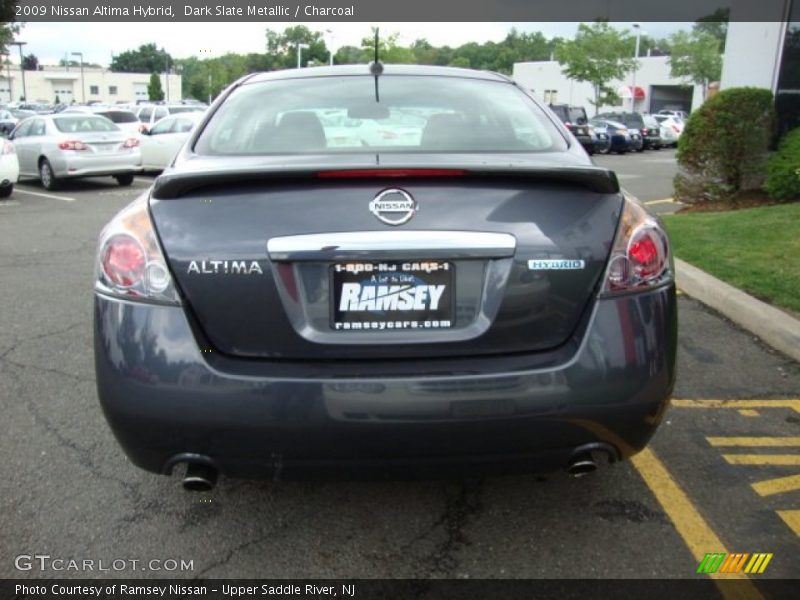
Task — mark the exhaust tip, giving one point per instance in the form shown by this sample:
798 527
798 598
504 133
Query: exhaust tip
199 478
582 465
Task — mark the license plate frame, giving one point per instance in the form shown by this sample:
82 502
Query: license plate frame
398 290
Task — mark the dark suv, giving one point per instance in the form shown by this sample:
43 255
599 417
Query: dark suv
574 117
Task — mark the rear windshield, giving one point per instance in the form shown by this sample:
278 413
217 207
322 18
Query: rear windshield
413 114
577 115
81 123
119 116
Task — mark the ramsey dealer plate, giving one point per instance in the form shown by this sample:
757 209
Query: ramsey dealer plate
392 295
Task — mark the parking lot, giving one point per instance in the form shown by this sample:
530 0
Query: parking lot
721 475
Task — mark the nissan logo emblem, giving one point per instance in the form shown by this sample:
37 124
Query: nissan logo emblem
393 207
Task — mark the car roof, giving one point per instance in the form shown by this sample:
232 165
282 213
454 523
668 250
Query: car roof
346 70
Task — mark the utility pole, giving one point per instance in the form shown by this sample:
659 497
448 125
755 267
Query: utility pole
638 29
300 48
83 86
21 68
166 74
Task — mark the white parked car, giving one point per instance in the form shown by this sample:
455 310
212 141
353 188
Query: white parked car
9 168
161 143
62 146
673 126
150 114
681 114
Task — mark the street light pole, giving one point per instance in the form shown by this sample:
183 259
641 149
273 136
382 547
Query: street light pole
635 64
330 50
21 69
166 73
300 48
83 86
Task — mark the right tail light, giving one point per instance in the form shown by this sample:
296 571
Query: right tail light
640 256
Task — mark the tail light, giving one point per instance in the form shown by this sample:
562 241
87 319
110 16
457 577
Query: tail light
131 143
142 127
8 148
640 256
73 145
130 263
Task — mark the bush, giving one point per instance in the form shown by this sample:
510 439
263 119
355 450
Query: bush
783 169
724 145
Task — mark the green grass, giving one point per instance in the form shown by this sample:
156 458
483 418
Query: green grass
756 249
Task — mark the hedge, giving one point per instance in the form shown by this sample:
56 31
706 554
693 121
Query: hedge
783 169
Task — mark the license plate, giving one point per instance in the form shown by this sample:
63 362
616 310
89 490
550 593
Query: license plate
392 296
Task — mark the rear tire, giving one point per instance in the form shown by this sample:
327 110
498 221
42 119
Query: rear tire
125 179
5 192
49 180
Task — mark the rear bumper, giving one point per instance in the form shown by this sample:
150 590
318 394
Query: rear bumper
165 398
97 164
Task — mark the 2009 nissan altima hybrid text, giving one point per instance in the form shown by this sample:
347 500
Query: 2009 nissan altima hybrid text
397 271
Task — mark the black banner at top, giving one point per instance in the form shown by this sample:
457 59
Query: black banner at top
397 10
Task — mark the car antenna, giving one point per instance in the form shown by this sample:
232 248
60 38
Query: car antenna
375 67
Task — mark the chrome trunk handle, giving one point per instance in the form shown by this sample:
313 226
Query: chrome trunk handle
375 245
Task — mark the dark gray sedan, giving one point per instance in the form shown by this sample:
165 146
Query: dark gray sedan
456 290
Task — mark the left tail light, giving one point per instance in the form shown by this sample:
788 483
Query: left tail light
130 263
131 143
640 256
8 148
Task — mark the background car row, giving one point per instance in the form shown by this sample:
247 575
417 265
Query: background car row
90 141
621 132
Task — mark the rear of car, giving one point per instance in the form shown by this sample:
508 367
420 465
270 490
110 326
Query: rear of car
651 133
9 168
574 118
472 295
72 145
620 140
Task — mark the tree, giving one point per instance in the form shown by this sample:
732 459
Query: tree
282 47
695 56
389 51
598 55
146 59
154 90
30 62
715 24
8 29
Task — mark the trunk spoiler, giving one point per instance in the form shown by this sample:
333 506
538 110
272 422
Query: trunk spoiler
175 184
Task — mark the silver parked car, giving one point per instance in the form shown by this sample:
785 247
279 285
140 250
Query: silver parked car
61 146
123 118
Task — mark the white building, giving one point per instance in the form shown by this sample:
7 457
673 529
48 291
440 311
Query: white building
650 89
67 85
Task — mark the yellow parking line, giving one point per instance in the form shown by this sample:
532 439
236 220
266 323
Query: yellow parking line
754 441
690 524
763 459
663 201
792 519
782 403
747 412
779 485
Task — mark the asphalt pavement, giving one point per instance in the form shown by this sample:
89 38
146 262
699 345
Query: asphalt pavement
721 475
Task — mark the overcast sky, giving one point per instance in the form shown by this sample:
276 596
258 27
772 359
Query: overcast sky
97 41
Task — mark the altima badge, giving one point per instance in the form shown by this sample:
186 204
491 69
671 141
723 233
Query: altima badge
556 265
393 207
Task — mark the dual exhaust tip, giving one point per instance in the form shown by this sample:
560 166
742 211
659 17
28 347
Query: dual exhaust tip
202 477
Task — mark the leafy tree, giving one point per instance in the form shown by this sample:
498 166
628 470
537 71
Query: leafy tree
696 57
715 24
7 26
30 62
146 59
154 90
350 55
283 46
389 51
598 55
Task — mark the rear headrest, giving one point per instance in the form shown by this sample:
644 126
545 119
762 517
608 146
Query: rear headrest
442 130
299 132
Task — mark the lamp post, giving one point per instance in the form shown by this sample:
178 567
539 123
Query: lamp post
638 29
22 70
178 71
166 74
330 50
83 86
300 48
